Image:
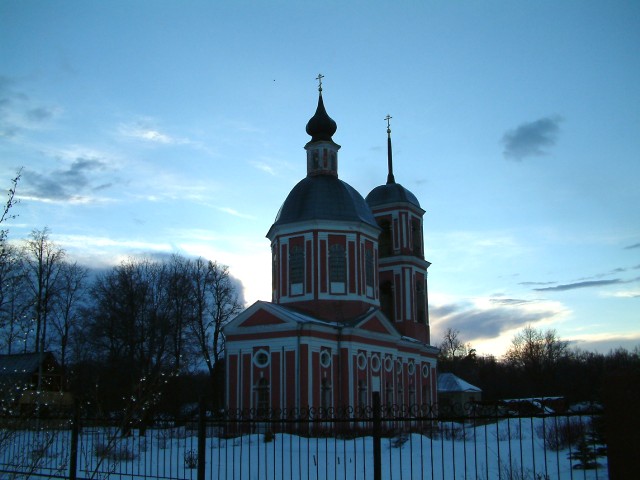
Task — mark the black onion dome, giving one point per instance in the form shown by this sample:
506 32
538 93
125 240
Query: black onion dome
391 193
321 126
324 197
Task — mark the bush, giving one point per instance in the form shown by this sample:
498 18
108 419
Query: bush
562 433
111 451
191 459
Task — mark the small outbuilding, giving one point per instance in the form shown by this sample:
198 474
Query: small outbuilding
455 393
32 380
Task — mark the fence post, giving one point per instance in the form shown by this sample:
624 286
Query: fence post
75 430
202 438
377 441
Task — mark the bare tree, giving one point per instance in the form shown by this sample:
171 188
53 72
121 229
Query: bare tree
68 305
15 302
452 347
6 212
537 354
217 302
42 263
181 307
10 291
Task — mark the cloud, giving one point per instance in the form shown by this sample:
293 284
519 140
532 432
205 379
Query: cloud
625 294
264 167
490 318
18 112
64 184
635 245
509 301
141 130
531 139
235 213
587 284
605 343
528 284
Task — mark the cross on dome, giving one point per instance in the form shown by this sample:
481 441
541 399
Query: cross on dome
319 78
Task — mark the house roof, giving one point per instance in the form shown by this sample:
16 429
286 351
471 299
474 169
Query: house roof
22 365
450 383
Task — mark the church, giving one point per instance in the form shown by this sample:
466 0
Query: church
349 309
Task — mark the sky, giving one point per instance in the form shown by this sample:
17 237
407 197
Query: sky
151 127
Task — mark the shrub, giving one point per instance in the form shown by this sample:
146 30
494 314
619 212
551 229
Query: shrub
191 459
112 451
562 433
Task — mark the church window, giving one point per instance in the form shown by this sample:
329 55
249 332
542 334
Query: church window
368 270
400 393
261 358
425 370
385 245
426 394
296 269
375 363
315 160
388 363
362 361
389 395
411 368
337 268
386 300
412 396
333 161
420 302
262 397
325 396
325 358
362 396
416 233
274 268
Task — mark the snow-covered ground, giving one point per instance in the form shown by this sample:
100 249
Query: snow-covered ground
510 449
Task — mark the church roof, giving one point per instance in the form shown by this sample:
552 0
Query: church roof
324 197
389 194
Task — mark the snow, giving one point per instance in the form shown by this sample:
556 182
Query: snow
508 449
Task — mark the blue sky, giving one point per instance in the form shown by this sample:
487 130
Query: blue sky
150 127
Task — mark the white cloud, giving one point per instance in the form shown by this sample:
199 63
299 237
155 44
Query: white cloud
235 213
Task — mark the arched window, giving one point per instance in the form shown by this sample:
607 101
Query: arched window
296 269
337 268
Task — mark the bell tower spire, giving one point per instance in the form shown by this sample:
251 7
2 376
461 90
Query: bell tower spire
390 177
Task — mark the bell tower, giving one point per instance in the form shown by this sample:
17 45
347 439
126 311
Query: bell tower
402 266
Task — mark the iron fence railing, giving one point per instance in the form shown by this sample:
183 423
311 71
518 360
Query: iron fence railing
475 441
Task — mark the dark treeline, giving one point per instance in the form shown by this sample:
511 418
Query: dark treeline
145 332
537 363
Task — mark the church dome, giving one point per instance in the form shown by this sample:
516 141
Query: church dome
324 197
321 126
389 194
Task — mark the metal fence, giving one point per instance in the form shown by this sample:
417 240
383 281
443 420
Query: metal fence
475 441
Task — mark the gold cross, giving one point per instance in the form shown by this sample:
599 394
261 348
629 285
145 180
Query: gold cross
319 78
